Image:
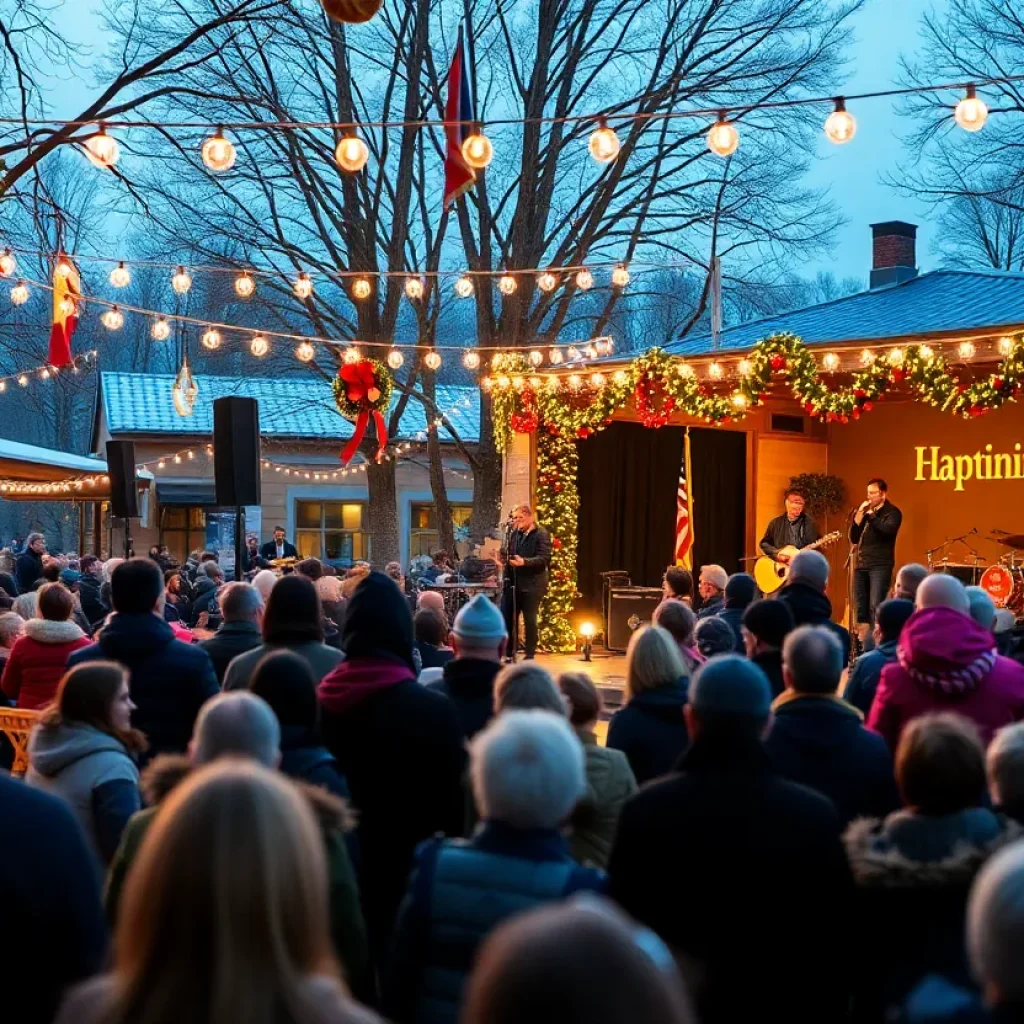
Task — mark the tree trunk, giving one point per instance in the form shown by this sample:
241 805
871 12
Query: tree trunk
487 477
383 512
442 510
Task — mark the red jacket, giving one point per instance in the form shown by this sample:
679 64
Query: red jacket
945 661
36 663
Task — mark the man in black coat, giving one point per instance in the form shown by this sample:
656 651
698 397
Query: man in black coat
820 740
794 528
874 529
526 556
241 609
278 547
741 872
169 680
804 594
28 567
209 583
89 589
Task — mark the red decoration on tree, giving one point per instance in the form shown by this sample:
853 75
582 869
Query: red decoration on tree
525 422
998 383
556 543
778 362
868 406
898 375
648 392
363 389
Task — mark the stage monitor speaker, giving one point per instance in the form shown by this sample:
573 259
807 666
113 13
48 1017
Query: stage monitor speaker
629 608
124 495
236 451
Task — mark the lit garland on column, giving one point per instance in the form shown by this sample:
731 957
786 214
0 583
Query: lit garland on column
929 375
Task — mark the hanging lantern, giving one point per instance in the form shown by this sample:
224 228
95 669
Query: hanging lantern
471 360
120 276
218 153
506 284
113 319
245 285
161 329
305 352
840 125
361 288
414 288
184 391
395 359
620 276
303 286
19 294
211 339
101 150
259 346
971 112
432 360
584 280
723 137
352 154
8 264
604 144
464 287
181 281
477 150
547 282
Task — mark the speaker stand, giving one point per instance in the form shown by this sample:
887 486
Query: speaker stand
239 540
127 538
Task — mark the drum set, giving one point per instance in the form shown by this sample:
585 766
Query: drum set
1002 580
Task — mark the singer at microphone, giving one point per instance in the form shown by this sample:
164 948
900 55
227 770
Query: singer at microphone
525 554
875 525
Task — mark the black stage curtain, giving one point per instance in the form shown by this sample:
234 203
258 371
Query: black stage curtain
628 475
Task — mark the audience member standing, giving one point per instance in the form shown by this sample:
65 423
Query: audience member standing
740 592
527 772
805 595
820 740
890 618
649 729
766 624
169 680
241 613
225 916
478 639
82 751
736 869
34 668
399 745
610 781
292 620
28 568
945 661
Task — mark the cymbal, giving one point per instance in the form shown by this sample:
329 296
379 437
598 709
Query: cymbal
1012 540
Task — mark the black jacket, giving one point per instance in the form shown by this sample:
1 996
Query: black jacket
712 606
776 534
170 680
306 759
865 674
232 639
92 603
535 548
734 616
740 871
28 568
822 743
811 607
770 663
269 550
876 535
650 730
469 684
205 600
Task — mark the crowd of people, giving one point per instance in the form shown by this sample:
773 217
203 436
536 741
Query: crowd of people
341 806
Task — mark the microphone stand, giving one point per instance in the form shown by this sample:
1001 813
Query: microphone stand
851 588
509 578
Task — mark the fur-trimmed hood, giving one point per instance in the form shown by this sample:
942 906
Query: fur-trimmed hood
166 772
47 631
878 863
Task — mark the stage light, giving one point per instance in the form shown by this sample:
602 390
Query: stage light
414 288
218 153
395 359
840 125
113 319
723 137
161 329
464 287
351 154
587 633
211 339
303 286
535 358
507 284
1005 346
471 360
432 361
8 264
120 276
245 285
352 355
966 350
305 352
259 346
971 112
181 281
830 361
547 282
604 144
361 288
584 280
101 150
477 151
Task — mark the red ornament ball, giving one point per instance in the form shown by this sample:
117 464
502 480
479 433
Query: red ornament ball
583 432
860 393
809 408
868 406
778 362
557 488
998 382
552 430
556 543
976 411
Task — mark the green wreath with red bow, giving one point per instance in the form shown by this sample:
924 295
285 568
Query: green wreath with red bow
363 389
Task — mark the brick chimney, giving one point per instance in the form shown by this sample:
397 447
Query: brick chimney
893 253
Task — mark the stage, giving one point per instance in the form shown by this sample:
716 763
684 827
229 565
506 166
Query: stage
608 672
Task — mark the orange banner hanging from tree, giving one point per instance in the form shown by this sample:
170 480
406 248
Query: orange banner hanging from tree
67 290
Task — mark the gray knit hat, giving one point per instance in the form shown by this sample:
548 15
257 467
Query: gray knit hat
731 685
479 622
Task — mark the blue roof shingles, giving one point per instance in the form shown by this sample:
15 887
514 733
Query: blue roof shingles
934 303
140 403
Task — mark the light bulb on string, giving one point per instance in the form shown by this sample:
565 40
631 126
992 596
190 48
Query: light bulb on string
352 153
597 380
395 359
352 355
68 307
102 150
464 287
64 267
303 286
536 357
414 288
8 264
432 360
555 356
971 113
113 319
305 352
925 351
120 276
966 349
604 144
160 330
259 346
218 153
715 371
723 137
181 281
547 282
830 361
245 285
20 294
840 125
867 357
620 276
584 280
477 150
471 360
361 289
1005 346
211 339
506 284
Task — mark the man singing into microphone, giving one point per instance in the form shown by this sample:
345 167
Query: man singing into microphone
874 528
526 557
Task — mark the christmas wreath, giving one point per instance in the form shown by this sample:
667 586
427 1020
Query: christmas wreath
363 389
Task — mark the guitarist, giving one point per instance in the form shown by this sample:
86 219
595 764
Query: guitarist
794 528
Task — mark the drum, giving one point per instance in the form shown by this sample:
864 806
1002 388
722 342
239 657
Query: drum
965 572
1005 585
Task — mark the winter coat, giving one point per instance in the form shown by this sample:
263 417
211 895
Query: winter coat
770 663
867 670
52 899
777 533
93 606
320 658
913 876
433 657
712 606
326 1003
305 759
811 607
93 773
876 535
28 568
232 639
459 892
37 661
401 748
469 684
347 927
535 550
821 741
743 874
610 783
169 680
650 730
205 600
734 616
945 661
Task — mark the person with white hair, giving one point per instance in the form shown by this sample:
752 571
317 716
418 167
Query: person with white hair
946 662
527 771
805 595
1004 769
241 612
711 586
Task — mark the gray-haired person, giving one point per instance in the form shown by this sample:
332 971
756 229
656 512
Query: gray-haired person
241 611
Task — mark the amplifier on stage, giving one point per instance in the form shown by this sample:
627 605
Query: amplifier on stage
629 608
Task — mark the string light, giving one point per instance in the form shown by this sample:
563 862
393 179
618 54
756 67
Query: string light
830 361
113 319
739 400
161 329
604 144
597 379
303 286
535 357
102 150
620 276
23 380
464 287
351 154
181 281
840 125
723 137
432 360
395 359
745 367
218 153
245 285
120 276
715 371
926 351
352 355
971 113
68 307
477 150
547 282
1005 346
471 360
895 356
414 288
506 284
8 264
555 356
20 294
211 339
44 373
584 280
686 371
361 288
305 352
620 377
966 349
867 357
259 346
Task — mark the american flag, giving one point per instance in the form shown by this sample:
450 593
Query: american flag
684 517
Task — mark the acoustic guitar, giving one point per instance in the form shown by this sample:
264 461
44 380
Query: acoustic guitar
771 574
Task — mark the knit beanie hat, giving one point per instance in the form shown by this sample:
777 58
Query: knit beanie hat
731 685
740 590
479 622
715 575
769 621
378 623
